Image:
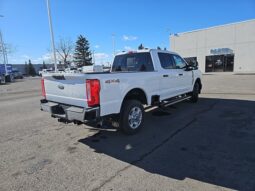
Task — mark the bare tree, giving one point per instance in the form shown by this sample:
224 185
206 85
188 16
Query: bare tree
9 49
65 49
5 51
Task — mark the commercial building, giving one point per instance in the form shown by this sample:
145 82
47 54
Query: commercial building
225 48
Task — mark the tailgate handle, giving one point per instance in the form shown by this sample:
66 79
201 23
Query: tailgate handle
59 77
60 86
165 75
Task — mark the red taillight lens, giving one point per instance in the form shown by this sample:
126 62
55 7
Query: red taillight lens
93 92
43 88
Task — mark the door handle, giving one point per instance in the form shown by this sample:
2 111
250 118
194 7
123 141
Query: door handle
165 75
180 74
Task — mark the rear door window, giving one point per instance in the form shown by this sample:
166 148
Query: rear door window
133 62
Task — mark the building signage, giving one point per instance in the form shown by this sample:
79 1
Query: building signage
219 51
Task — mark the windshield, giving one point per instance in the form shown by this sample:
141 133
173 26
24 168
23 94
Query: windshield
133 62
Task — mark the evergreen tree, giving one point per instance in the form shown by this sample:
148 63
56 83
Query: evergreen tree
158 48
140 47
44 65
82 54
31 69
26 68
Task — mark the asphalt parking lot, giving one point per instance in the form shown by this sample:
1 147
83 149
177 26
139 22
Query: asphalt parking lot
205 146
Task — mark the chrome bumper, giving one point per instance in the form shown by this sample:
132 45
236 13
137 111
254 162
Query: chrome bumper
70 113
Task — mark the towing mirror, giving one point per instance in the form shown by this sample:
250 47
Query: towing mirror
189 68
193 65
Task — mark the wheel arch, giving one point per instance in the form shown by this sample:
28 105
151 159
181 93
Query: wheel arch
136 94
198 80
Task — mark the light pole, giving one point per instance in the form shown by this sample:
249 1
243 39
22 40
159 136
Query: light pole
113 44
3 50
93 57
168 30
52 35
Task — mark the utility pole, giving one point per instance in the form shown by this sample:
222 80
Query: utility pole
3 51
113 43
52 35
93 57
168 30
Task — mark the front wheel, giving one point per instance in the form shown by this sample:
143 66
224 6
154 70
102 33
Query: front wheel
195 93
132 117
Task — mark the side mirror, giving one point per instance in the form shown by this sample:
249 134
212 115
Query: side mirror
189 68
196 64
193 64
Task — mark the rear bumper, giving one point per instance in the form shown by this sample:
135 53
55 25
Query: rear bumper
70 113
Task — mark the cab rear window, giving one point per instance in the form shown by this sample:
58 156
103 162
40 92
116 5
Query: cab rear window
133 62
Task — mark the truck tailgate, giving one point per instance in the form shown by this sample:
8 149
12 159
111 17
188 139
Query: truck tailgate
68 89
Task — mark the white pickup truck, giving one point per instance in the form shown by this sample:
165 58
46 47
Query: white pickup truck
137 80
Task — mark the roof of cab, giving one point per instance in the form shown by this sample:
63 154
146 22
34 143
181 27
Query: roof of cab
144 50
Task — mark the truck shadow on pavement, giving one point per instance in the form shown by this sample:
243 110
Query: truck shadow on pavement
212 141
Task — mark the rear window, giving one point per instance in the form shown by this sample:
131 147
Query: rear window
133 62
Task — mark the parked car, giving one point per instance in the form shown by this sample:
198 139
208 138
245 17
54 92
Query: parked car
139 79
17 74
44 71
71 70
91 69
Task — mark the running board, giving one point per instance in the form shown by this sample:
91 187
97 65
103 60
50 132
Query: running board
167 103
175 101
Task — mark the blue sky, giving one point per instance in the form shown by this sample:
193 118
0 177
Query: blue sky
25 23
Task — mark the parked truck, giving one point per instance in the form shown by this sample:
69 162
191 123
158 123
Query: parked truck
6 74
2 74
137 80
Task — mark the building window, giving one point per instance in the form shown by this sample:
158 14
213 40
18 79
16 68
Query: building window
219 63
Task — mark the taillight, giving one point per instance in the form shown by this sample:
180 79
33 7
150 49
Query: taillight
93 91
43 88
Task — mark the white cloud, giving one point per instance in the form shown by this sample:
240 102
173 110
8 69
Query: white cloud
25 56
13 60
47 57
97 46
21 59
17 59
129 38
128 48
101 55
100 58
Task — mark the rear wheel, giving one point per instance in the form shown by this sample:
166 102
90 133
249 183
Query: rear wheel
195 93
132 117
9 78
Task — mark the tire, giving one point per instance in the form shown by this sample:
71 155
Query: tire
2 81
195 93
131 117
9 78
